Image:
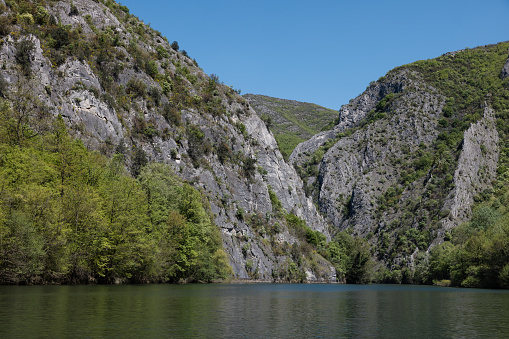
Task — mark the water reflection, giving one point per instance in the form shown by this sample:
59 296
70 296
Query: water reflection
252 311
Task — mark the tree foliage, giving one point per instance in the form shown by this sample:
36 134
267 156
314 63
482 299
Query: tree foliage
68 215
351 257
24 50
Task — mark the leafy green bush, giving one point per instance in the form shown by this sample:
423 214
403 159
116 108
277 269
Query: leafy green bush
136 87
151 68
224 153
60 37
74 10
196 142
5 25
155 95
351 258
277 206
162 52
483 217
24 50
383 104
25 18
139 161
240 213
42 15
249 168
448 111
171 114
504 276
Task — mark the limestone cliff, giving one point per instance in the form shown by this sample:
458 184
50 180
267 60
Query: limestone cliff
476 170
410 156
358 169
123 88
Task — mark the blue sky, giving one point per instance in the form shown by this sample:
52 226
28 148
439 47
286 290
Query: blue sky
321 51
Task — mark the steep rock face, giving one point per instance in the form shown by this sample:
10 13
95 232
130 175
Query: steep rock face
350 115
412 155
358 169
476 170
282 177
230 193
176 115
98 16
505 71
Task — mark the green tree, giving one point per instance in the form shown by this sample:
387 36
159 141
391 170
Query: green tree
139 161
441 261
21 249
131 255
24 51
359 270
163 191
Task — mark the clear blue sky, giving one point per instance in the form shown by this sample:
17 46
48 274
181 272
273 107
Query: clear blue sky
320 51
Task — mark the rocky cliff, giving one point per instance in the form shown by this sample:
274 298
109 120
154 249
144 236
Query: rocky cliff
123 88
358 169
476 170
411 156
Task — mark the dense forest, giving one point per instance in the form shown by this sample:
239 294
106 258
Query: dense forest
69 215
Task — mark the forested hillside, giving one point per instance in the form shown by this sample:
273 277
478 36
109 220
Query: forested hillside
72 216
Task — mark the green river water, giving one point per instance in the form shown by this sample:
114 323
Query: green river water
252 311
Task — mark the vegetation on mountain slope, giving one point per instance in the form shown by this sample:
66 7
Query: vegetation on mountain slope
291 122
68 215
474 254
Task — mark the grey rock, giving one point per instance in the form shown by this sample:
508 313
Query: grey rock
477 168
350 115
505 71
100 15
358 169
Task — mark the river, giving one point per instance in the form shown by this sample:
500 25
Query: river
252 311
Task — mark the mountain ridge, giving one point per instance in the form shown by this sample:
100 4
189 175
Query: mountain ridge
291 121
414 159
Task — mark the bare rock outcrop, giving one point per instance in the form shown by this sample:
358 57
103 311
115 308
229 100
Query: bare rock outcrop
358 169
350 115
477 168
505 71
